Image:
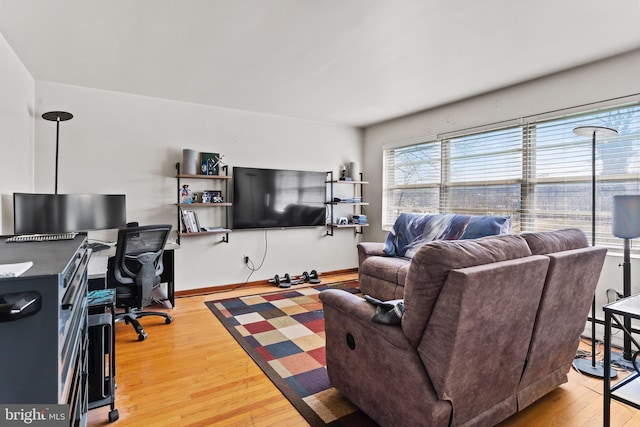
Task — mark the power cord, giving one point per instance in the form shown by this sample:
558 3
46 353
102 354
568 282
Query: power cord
613 295
580 353
250 265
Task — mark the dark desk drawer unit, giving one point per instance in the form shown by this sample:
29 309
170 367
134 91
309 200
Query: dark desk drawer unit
43 359
102 338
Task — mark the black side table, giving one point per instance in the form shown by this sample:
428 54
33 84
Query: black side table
102 340
626 390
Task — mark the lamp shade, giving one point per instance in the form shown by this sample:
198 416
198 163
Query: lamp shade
626 216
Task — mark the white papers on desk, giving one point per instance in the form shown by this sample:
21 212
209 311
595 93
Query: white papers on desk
14 270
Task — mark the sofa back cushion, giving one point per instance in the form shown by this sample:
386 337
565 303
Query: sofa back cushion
569 288
410 230
548 242
432 263
475 344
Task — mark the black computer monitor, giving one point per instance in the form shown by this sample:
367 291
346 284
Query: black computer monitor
61 213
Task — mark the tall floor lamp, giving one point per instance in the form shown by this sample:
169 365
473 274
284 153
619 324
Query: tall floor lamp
590 367
626 225
57 116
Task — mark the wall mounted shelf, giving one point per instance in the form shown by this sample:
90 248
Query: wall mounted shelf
357 206
220 178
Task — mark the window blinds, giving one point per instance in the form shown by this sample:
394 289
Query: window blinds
539 173
411 180
484 174
561 166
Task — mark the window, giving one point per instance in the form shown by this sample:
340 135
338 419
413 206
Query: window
485 174
538 172
411 181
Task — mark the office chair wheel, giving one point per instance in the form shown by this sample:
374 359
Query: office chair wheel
113 415
142 336
168 320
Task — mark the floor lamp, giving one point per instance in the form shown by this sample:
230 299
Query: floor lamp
590 367
57 116
626 225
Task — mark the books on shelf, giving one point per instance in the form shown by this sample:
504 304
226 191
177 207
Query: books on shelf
190 223
212 229
186 224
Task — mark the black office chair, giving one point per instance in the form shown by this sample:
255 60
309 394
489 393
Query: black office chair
135 271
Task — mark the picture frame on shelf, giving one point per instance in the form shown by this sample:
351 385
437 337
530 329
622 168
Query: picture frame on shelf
212 196
209 163
216 197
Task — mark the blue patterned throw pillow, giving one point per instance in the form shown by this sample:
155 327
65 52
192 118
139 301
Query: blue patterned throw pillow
411 230
488 225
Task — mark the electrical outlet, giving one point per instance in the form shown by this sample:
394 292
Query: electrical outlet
246 259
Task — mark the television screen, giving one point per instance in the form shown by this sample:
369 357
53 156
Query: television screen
61 213
275 198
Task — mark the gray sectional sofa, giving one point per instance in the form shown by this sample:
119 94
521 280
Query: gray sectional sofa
490 325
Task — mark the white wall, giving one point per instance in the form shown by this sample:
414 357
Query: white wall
607 79
120 143
16 135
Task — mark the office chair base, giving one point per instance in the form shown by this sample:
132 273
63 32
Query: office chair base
132 317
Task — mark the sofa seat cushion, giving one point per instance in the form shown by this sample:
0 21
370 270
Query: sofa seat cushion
410 230
432 263
390 269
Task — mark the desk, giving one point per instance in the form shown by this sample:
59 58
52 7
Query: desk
626 390
97 269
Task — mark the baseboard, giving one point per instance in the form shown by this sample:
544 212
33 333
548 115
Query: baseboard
234 286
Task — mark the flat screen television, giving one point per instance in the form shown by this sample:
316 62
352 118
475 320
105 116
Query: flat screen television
61 213
277 198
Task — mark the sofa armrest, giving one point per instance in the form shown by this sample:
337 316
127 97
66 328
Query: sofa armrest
348 304
357 313
375 366
367 249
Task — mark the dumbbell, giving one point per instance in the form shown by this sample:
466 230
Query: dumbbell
310 277
298 279
303 278
313 277
281 282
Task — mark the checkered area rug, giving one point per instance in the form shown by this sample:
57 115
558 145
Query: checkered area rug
283 332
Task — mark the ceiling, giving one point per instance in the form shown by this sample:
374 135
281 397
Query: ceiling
354 62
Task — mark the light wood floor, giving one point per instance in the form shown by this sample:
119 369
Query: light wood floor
193 373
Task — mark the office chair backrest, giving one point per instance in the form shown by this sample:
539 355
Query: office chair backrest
138 257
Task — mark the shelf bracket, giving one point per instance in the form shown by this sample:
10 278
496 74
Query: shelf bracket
330 181
179 222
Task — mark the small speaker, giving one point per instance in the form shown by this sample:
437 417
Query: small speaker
189 161
354 171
